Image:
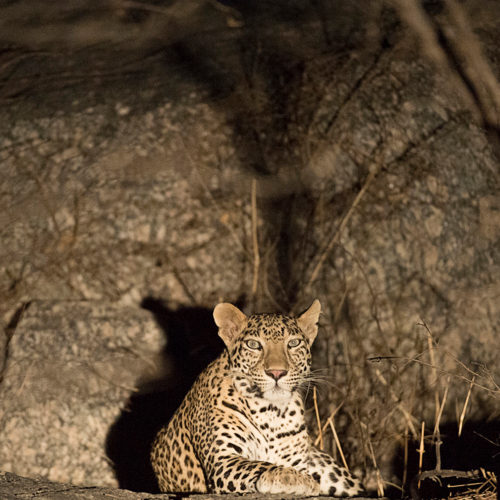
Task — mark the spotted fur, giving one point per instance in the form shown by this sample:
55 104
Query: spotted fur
241 427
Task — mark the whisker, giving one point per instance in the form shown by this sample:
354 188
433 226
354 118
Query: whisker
317 379
319 370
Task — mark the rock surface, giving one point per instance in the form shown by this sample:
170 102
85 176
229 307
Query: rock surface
13 487
72 367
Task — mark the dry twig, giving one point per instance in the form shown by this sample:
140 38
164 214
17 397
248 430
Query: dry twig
436 434
405 465
421 451
318 420
327 423
337 442
464 409
380 482
255 240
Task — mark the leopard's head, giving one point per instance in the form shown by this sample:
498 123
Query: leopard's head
269 354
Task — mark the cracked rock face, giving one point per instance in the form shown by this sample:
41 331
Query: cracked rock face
71 369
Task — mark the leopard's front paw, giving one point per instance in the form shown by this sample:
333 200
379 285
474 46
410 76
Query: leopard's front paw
284 480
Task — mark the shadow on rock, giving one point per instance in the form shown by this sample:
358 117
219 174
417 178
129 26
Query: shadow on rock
192 342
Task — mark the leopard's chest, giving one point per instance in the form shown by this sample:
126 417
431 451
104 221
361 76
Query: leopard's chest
280 431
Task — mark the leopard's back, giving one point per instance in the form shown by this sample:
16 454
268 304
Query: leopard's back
173 456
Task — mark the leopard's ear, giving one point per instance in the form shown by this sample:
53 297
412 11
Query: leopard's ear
308 321
230 320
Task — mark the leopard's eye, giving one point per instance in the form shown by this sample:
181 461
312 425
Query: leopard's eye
253 344
294 343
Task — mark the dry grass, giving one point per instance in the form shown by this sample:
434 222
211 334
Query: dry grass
406 416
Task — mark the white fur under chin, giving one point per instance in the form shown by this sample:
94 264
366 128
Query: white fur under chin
277 394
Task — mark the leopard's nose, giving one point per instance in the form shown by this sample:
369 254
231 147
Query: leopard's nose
276 374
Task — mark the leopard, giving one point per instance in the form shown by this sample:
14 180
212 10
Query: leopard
242 427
